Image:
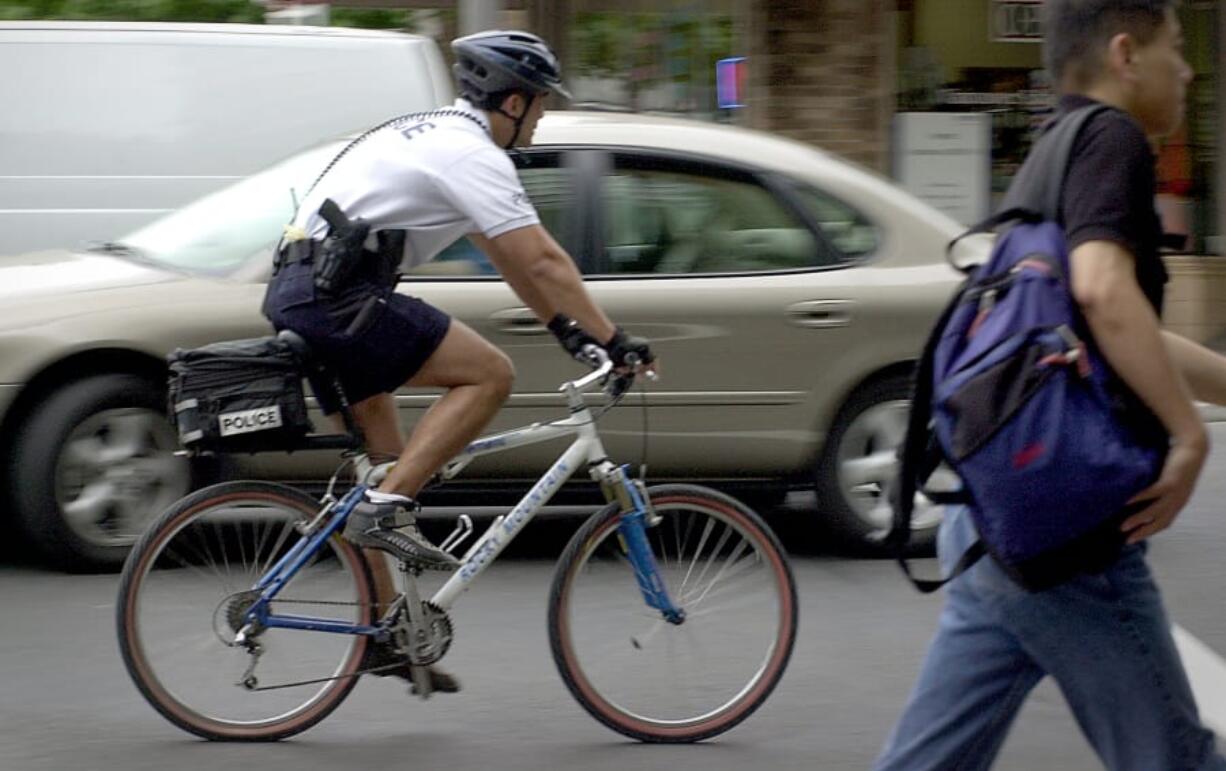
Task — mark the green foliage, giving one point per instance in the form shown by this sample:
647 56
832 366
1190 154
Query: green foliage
244 11
134 10
651 47
371 18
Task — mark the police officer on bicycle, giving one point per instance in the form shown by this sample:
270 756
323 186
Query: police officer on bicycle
394 198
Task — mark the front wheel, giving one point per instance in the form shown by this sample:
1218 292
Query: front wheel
660 681
183 597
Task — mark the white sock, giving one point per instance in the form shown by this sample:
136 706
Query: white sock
374 496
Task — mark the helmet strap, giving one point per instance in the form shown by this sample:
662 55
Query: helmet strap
519 122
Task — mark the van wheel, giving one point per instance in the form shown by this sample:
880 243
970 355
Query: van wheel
859 466
91 466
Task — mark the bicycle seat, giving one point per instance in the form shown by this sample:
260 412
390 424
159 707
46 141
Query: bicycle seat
297 344
328 392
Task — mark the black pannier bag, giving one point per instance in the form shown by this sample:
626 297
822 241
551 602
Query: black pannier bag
238 396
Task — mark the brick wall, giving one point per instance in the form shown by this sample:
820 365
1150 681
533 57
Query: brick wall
823 71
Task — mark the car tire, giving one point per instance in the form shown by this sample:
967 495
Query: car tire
91 466
858 466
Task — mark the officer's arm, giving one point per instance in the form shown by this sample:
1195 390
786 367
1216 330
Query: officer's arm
1128 333
545 277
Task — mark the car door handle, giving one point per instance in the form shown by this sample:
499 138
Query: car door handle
821 314
518 321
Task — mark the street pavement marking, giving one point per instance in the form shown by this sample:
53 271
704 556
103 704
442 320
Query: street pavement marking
1207 672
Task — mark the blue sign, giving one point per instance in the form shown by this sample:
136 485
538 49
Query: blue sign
730 82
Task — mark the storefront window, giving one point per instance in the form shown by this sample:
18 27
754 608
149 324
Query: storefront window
949 67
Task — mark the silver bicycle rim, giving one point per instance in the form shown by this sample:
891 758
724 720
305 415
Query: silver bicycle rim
668 675
180 620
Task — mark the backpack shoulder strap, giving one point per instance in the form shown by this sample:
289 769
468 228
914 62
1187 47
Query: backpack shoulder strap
1039 183
914 462
1035 193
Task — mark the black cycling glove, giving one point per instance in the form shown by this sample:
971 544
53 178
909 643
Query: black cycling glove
628 350
570 335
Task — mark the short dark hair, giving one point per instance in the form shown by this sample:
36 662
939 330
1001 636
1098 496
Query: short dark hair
1076 33
494 101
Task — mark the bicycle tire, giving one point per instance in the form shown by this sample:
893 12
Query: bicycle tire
227 503
598 536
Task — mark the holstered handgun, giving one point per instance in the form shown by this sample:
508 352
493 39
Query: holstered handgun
341 251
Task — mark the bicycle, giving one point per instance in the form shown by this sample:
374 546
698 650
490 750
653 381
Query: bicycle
672 610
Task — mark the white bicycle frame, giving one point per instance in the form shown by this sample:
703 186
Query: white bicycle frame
587 449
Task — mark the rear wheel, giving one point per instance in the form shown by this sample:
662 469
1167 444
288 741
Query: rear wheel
658 681
183 595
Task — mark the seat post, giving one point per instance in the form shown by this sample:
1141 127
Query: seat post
322 377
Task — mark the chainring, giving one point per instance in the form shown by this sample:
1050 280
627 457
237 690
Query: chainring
439 635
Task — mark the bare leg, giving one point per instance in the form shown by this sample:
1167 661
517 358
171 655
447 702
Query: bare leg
478 377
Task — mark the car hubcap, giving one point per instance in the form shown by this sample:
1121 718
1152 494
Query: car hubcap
117 471
868 467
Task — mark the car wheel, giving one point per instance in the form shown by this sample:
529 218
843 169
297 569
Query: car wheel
859 465
91 466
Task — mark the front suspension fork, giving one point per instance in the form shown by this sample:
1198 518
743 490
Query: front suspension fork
636 516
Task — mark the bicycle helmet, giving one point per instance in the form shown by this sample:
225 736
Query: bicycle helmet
494 62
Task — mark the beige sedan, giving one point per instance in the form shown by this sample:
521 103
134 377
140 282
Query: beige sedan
787 293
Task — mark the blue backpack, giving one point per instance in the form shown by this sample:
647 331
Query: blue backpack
1012 394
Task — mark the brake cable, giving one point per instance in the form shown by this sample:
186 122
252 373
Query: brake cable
646 423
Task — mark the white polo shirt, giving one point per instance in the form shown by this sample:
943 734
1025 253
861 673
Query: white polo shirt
438 177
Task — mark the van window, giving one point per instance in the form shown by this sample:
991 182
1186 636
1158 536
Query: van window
125 103
103 129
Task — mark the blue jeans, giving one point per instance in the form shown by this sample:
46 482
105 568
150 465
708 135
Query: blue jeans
1106 640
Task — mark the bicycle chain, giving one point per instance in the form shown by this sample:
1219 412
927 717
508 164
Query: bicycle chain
359 673
325 602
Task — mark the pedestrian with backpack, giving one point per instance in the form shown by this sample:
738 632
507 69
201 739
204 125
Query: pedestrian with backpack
1069 595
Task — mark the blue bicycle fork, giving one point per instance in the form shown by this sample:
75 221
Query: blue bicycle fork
632 527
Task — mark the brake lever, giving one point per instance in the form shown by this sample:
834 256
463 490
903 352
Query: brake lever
618 385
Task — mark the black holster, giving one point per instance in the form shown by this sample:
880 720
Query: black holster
341 252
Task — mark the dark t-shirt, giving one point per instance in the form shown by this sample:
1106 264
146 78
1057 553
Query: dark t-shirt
1109 192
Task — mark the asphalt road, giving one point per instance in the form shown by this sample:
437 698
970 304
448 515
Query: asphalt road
66 702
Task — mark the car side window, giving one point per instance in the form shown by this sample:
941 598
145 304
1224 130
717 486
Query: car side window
549 186
682 220
849 231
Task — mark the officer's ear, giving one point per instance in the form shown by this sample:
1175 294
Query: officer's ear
515 104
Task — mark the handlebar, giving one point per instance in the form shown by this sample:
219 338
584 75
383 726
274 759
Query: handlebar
597 358
616 383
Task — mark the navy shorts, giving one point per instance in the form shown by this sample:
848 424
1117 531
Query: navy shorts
373 339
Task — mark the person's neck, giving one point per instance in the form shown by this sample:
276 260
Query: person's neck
1111 94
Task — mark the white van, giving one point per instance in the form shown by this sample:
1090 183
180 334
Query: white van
105 126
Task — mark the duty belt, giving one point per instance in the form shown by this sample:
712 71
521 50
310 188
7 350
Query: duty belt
296 251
